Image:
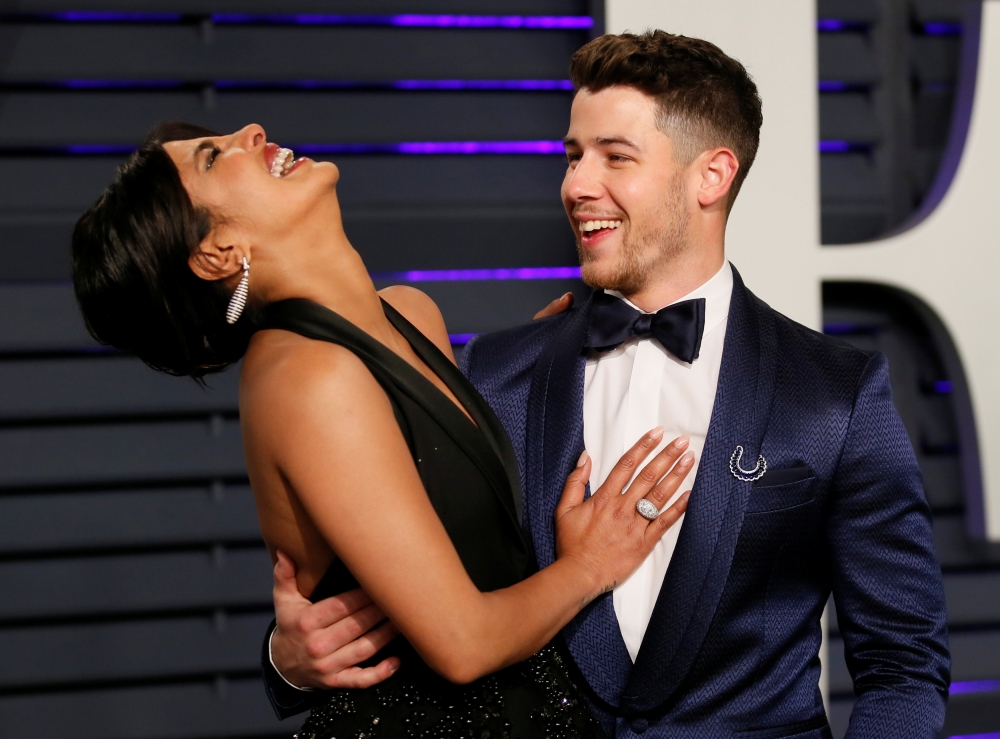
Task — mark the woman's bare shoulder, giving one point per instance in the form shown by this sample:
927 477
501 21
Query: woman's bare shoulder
287 374
420 310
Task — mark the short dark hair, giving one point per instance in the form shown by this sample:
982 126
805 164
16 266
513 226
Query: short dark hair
131 274
706 99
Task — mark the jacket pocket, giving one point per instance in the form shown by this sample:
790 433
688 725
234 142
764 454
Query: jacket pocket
786 476
777 497
814 728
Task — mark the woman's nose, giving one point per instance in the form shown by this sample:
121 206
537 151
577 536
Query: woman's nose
251 137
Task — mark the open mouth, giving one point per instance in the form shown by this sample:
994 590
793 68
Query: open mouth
281 161
593 229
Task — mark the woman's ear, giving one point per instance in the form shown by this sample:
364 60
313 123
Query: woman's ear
718 168
220 254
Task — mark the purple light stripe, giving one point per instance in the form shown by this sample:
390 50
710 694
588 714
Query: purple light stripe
461 339
994 735
833 25
556 22
99 149
483 85
97 16
401 84
472 275
437 147
103 84
409 147
482 147
944 387
411 20
974 686
943 29
831 147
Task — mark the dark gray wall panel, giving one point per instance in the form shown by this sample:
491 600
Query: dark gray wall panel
122 650
462 238
120 452
972 714
41 317
106 386
846 57
955 548
468 307
228 708
363 54
847 116
130 583
127 519
69 185
491 305
51 119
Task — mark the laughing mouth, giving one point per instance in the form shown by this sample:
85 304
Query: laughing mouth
283 162
588 228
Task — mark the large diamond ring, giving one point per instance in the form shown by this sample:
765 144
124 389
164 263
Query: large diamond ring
647 510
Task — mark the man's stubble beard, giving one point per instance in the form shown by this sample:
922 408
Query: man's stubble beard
643 253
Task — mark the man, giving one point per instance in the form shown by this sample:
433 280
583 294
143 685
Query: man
806 481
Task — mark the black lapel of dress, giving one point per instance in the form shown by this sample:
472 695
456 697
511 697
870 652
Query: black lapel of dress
315 321
700 564
470 399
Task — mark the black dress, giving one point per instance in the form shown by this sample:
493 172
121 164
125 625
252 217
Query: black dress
471 477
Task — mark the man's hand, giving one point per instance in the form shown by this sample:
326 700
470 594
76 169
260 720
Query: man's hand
319 645
558 305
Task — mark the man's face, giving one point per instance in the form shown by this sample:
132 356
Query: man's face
624 192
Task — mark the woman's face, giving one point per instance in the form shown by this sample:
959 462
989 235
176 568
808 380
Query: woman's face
247 181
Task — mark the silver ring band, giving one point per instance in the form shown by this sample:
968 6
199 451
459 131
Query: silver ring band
647 510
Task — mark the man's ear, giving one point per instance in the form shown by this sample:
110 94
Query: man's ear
220 254
717 168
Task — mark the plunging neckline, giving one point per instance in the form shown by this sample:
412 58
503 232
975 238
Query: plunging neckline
487 444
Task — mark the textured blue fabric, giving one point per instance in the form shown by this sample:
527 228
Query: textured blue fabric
731 649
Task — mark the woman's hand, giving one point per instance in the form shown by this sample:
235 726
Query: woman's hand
605 533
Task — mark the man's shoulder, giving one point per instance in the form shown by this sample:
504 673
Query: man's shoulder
511 350
809 353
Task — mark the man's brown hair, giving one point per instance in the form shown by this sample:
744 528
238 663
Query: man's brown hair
706 99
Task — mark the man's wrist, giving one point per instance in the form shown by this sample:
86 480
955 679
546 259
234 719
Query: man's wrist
270 656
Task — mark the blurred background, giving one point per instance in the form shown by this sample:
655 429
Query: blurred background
134 589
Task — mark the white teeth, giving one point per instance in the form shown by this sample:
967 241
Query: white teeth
595 225
283 161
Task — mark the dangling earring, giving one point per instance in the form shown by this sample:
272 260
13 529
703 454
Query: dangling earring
239 300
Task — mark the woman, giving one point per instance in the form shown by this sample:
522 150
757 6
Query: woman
372 459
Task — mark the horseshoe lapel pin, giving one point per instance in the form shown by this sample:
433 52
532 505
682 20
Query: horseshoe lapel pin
746 475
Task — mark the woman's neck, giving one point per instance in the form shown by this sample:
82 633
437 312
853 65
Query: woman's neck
330 273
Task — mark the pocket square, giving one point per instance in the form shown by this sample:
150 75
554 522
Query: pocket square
784 476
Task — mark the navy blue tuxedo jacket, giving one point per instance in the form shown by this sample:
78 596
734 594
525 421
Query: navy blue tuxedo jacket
732 646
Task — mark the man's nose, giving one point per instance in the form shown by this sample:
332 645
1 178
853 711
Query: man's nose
583 181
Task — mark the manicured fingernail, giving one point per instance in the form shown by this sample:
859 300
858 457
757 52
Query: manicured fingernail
656 433
583 459
682 441
687 459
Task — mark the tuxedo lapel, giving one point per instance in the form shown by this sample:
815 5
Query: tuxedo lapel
554 442
700 564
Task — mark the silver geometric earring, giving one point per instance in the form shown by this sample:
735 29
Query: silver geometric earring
239 300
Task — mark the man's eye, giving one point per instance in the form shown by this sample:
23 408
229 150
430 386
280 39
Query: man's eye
211 157
572 158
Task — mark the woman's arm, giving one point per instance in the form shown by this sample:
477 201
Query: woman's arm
332 433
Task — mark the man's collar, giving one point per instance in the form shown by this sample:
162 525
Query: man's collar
717 291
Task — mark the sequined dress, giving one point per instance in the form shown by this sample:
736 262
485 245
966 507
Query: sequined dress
471 476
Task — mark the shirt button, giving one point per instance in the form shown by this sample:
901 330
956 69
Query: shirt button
639 725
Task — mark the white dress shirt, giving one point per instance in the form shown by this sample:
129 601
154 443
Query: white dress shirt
630 390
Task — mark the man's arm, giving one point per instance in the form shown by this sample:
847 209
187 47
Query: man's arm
886 578
320 645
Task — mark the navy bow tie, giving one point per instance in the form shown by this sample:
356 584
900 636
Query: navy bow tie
677 327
